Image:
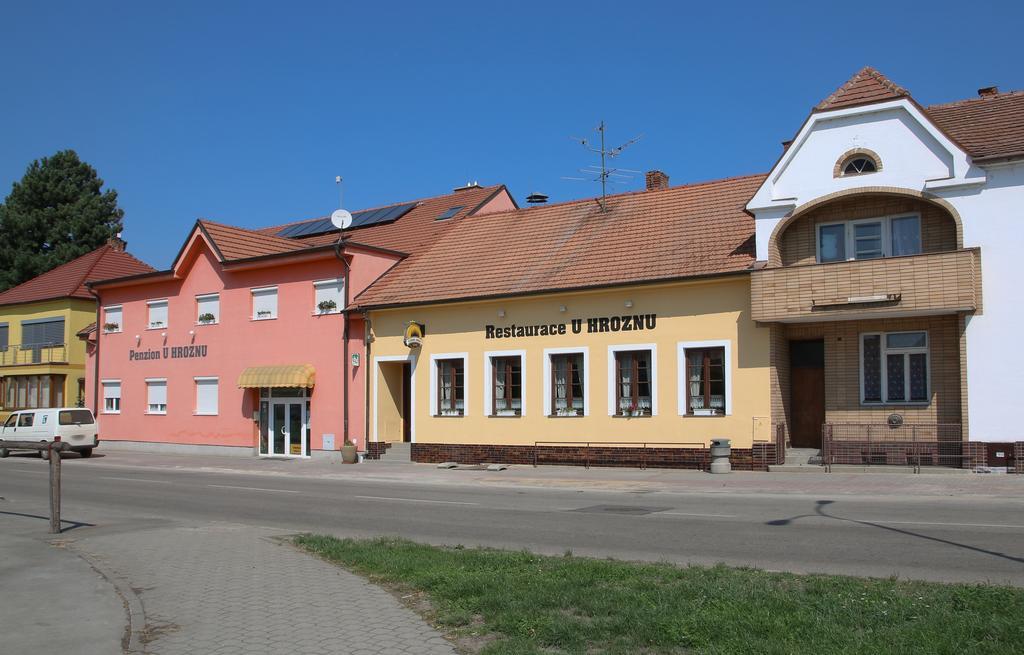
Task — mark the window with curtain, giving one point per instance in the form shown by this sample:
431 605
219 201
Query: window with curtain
32 391
156 396
264 304
894 367
328 296
208 308
567 384
451 393
507 386
157 314
206 396
633 383
111 396
112 319
705 381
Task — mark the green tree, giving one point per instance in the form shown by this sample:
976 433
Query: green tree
57 212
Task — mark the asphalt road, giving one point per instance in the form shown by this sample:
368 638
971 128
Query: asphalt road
976 538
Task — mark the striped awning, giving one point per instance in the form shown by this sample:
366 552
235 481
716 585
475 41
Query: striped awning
290 375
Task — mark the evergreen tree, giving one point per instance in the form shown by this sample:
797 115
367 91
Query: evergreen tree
57 212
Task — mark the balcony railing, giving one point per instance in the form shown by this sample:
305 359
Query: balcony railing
925 284
29 354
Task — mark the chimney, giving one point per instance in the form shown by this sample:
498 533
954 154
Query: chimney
117 243
656 180
988 91
469 185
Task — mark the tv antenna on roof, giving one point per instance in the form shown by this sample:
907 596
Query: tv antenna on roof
340 218
603 174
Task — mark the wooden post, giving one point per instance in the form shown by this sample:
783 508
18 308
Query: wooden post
54 450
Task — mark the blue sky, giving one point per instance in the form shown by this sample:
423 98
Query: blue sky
245 112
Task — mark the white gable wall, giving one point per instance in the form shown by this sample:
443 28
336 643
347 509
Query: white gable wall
916 156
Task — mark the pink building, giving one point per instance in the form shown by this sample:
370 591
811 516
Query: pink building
245 344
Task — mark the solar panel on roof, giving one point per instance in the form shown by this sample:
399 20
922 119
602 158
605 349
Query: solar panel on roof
448 213
359 219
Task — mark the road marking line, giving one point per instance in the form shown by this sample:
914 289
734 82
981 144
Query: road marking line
416 500
231 486
23 470
719 516
138 480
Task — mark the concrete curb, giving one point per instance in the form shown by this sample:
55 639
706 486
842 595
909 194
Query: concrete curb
131 643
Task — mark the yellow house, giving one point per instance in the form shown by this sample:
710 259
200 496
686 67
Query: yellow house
604 333
42 362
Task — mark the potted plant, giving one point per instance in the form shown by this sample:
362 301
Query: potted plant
111 327
349 455
326 306
206 318
156 324
263 313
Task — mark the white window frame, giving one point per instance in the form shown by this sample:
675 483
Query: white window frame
149 314
851 251
199 308
489 376
197 381
149 405
317 284
572 350
681 348
252 298
434 409
106 318
612 381
883 353
110 383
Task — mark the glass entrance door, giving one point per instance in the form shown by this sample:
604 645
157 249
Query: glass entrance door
287 434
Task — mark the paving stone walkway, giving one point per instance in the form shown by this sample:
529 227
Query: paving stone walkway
222 589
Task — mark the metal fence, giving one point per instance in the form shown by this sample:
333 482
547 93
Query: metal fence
26 354
880 444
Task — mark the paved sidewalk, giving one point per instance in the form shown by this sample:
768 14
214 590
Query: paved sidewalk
220 589
577 477
51 600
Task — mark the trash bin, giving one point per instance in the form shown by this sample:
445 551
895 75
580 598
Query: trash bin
720 449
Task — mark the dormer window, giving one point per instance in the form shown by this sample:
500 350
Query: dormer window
857 162
859 165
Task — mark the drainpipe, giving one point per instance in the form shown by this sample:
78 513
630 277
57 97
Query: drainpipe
367 341
96 358
344 362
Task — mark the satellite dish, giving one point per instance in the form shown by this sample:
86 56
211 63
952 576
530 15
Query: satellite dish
341 219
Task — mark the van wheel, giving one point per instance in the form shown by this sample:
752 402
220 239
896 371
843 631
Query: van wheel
45 455
85 452
4 453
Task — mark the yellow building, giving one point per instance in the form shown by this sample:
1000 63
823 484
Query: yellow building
579 332
42 362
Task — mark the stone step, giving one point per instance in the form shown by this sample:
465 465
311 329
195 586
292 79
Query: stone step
398 452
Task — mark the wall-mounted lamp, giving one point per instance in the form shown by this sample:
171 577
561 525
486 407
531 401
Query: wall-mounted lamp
192 333
629 303
501 313
561 308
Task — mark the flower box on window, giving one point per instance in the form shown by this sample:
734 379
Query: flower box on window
207 318
326 306
263 313
111 327
707 411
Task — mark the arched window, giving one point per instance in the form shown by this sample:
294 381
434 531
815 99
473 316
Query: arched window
857 162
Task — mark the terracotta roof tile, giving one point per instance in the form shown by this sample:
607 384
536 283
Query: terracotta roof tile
240 243
989 126
685 231
866 86
68 280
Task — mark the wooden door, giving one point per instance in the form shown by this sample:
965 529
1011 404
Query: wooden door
807 392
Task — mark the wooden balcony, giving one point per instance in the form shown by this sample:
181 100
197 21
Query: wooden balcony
915 285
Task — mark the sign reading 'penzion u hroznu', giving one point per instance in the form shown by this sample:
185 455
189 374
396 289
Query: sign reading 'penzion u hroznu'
598 324
168 352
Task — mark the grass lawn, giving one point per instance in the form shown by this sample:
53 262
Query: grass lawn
505 602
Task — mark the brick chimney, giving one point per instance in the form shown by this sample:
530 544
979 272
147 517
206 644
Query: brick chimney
988 91
117 243
656 180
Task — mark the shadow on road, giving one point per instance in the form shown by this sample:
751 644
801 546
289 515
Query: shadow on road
819 510
71 524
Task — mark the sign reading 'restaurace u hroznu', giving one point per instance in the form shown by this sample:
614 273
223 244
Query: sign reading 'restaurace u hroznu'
629 323
168 352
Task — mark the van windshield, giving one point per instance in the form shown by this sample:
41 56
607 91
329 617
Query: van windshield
74 416
12 421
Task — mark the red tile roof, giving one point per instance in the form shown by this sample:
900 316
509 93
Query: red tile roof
239 243
867 85
69 280
989 126
685 231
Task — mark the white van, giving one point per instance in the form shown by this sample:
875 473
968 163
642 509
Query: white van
74 425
